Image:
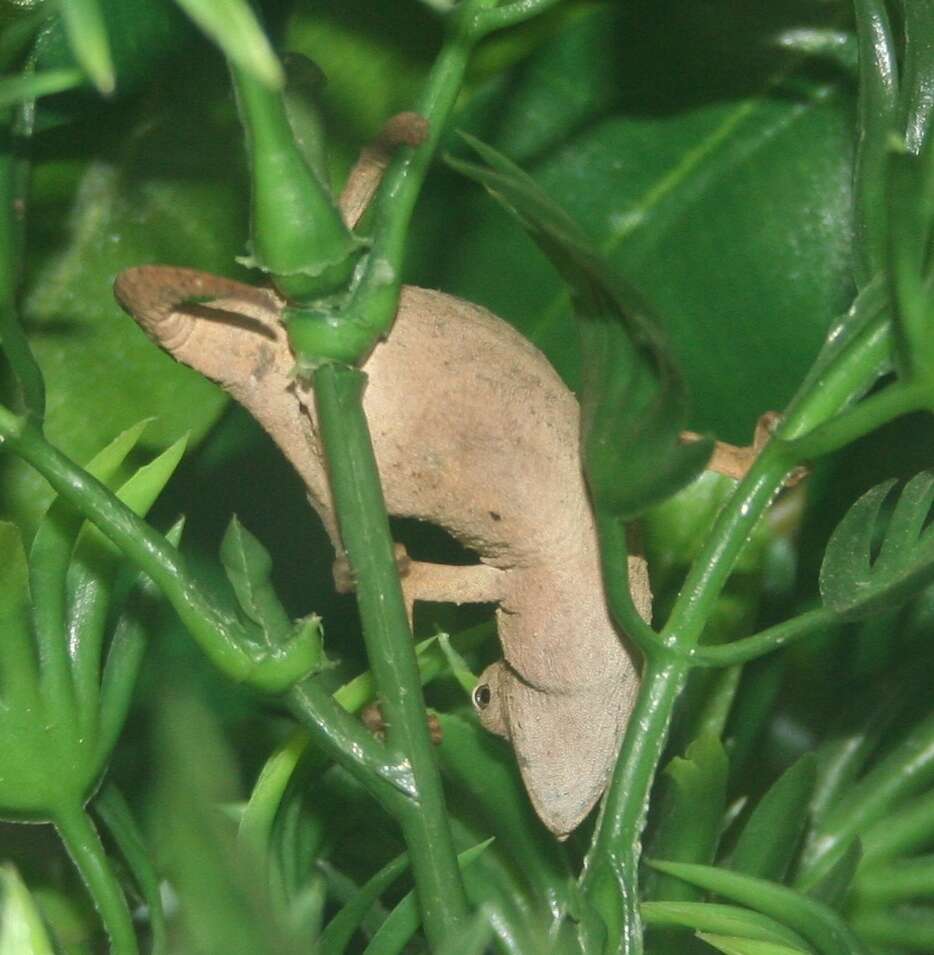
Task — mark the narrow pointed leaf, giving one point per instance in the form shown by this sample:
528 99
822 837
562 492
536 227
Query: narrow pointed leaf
745 946
339 931
819 925
832 889
55 538
87 37
772 834
720 919
404 920
690 815
249 569
633 401
26 86
234 27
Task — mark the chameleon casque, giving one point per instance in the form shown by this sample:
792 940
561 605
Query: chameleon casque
473 431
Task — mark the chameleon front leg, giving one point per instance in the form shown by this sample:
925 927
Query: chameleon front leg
734 461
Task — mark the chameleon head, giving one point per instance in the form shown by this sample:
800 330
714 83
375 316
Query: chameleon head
565 743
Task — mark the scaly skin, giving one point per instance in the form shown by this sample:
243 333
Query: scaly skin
475 432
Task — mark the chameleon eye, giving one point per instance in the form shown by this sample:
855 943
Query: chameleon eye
482 696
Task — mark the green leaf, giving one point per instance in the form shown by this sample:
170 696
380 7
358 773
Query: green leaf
484 785
234 27
633 403
404 920
139 493
339 931
21 928
673 172
116 815
164 184
720 919
87 36
833 887
249 569
30 85
819 925
690 815
772 835
745 946
906 770
852 583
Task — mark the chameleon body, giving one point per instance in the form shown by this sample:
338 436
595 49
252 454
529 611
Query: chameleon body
473 431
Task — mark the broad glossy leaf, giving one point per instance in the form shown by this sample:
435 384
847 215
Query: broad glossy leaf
772 835
690 815
707 153
129 187
633 402
852 583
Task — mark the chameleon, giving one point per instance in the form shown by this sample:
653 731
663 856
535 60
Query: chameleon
475 432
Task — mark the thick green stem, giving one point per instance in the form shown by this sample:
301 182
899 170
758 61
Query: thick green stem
870 414
221 637
774 638
878 100
610 877
364 526
298 234
84 846
225 640
375 298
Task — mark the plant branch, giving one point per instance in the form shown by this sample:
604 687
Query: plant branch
767 641
84 846
364 527
374 299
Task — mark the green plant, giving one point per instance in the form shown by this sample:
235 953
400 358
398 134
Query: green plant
697 223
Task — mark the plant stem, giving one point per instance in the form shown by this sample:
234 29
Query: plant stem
773 638
375 297
610 875
611 868
225 640
873 412
84 846
364 527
